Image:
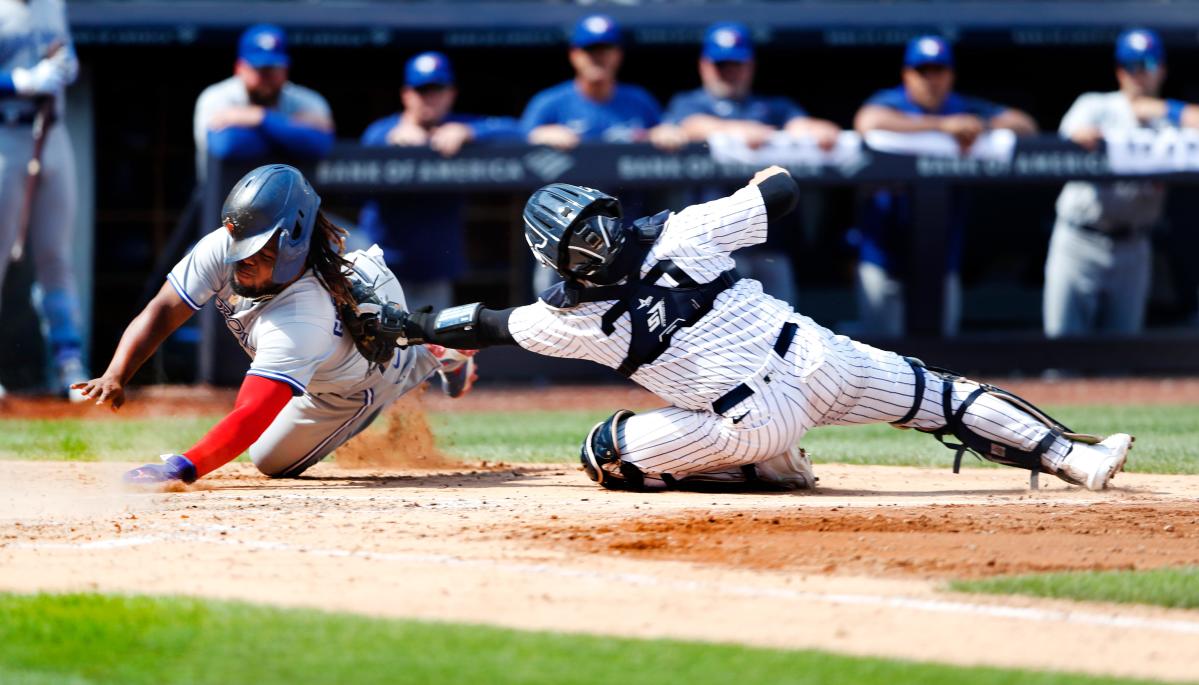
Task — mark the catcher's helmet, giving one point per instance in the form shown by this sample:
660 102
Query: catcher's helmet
272 198
575 231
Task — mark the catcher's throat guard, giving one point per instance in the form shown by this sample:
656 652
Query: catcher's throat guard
980 445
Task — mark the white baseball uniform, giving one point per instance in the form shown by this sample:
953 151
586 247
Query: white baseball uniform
295 337
819 379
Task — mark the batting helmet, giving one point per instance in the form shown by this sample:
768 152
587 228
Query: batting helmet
275 198
575 231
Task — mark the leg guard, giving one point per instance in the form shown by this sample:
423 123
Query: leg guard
981 445
601 460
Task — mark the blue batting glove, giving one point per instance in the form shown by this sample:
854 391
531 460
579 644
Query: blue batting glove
174 467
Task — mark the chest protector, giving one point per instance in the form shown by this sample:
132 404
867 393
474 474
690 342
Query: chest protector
655 312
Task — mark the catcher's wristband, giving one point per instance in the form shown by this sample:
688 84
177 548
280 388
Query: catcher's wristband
461 319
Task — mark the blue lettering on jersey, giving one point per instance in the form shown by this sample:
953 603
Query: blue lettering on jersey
236 327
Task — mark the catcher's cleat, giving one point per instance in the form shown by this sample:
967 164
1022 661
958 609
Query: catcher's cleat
175 467
458 370
1093 466
791 470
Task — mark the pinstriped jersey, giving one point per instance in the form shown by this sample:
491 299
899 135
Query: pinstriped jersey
296 336
704 360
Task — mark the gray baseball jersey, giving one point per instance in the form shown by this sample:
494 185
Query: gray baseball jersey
293 99
295 337
1136 204
819 379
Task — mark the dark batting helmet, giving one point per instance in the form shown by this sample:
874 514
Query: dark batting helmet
575 231
275 198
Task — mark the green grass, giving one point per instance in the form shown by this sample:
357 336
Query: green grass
131 640
1167 437
1169 587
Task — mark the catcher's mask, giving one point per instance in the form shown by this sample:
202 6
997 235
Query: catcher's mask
271 199
575 231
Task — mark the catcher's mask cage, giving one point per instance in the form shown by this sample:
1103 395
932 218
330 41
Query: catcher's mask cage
275 198
574 230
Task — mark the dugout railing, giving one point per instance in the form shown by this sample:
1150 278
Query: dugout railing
351 170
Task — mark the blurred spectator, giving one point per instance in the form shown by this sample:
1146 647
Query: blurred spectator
925 101
594 106
725 104
37 63
257 113
423 237
1097 274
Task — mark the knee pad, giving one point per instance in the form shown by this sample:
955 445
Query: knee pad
982 446
601 460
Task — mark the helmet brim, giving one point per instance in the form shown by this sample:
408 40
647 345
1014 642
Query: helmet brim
248 246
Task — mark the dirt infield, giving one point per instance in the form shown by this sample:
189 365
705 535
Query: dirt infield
856 567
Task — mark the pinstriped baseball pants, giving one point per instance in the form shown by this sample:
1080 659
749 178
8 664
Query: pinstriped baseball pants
824 380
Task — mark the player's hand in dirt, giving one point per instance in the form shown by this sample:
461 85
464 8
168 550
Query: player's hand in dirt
174 467
104 390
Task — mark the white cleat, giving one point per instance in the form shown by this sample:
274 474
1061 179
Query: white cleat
791 470
1092 466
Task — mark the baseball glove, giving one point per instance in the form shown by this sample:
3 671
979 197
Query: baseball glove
377 327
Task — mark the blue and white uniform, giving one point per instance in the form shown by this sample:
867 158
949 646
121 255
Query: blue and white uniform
37 60
295 337
275 136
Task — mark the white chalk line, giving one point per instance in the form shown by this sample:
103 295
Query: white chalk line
897 601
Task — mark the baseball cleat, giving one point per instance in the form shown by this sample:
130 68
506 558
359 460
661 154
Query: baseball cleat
791 470
1093 466
3 392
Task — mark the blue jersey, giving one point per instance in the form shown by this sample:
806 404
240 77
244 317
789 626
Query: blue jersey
422 235
624 118
897 98
773 111
884 231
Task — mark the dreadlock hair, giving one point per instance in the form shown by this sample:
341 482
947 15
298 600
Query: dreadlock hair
331 268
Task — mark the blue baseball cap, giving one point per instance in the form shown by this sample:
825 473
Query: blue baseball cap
924 50
428 68
597 29
263 45
728 42
1140 48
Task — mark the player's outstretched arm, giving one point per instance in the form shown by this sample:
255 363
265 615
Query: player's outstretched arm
165 313
465 327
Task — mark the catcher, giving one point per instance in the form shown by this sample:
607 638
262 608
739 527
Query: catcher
276 273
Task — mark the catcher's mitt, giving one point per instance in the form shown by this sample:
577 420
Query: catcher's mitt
376 327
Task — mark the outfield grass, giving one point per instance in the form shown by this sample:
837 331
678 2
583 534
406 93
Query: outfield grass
1169 587
131 640
1167 437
